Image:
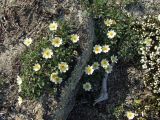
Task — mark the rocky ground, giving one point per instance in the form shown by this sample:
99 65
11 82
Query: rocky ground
20 19
31 17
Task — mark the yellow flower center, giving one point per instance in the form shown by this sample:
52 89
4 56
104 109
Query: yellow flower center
47 53
53 76
111 33
57 41
105 48
104 62
62 67
74 37
89 70
53 26
97 49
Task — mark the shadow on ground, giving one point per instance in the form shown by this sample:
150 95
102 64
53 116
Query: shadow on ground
118 90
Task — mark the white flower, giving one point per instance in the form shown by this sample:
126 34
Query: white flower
148 41
19 81
89 70
105 48
87 86
74 38
47 53
158 17
37 67
111 34
143 52
109 22
158 60
54 78
104 63
144 66
114 59
53 26
143 113
97 49
95 65
27 41
19 89
130 115
108 69
20 100
56 42
142 61
63 67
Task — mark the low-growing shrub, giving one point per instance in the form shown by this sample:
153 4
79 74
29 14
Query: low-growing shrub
47 64
143 104
116 38
150 52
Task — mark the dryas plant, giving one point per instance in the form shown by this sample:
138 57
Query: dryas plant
116 39
47 64
126 41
